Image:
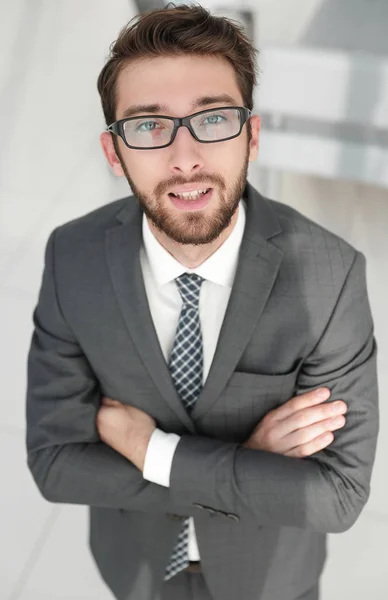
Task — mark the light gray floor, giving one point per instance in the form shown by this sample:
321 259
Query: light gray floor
52 170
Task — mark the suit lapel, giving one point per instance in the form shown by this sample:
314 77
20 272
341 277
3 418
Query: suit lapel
122 247
259 262
258 266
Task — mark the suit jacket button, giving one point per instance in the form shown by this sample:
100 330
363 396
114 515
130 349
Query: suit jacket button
233 517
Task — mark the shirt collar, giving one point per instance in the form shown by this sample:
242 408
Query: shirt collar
219 268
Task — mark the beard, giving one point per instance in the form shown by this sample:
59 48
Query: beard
194 227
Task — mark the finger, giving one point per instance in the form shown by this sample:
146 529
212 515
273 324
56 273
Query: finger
308 416
314 446
109 401
309 434
302 401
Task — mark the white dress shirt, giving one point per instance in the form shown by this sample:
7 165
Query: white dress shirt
160 269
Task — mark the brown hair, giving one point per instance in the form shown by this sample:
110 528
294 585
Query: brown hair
175 31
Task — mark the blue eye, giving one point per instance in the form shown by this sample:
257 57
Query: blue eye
139 128
215 117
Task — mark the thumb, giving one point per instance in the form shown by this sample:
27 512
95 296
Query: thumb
109 401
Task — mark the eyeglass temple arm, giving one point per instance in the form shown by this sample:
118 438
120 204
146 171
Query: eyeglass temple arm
113 128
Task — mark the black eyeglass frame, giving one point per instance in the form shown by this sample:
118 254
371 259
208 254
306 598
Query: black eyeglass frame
118 126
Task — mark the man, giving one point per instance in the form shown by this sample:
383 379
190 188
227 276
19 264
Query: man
196 345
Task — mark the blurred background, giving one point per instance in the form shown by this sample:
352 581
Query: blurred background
323 98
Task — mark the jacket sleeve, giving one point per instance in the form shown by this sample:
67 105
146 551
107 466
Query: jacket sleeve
67 459
324 492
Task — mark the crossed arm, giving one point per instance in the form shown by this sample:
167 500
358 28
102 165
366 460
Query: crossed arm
70 463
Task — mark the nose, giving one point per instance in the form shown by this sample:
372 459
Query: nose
185 156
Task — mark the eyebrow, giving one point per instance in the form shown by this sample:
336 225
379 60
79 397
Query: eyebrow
164 109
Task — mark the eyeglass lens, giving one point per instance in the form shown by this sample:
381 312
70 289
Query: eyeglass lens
210 126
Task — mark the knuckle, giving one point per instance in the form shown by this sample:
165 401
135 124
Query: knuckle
304 436
298 402
268 418
338 421
303 400
301 419
326 410
267 438
300 452
266 425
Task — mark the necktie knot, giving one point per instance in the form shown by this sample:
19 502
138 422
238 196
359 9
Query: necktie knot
189 286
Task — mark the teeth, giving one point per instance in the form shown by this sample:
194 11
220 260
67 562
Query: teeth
191 195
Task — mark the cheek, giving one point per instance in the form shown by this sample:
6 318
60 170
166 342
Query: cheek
230 166
143 169
232 156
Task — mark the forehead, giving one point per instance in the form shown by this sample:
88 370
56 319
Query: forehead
175 82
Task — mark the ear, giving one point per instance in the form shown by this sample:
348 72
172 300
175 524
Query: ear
110 153
255 123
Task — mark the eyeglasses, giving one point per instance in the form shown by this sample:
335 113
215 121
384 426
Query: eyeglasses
158 131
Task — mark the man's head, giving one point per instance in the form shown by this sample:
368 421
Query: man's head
176 62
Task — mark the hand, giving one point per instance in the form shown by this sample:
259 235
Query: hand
126 429
299 428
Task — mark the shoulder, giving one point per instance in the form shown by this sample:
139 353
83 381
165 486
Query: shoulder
93 224
307 237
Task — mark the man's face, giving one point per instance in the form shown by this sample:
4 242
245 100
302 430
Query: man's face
177 82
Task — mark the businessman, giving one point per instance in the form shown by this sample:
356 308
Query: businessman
202 371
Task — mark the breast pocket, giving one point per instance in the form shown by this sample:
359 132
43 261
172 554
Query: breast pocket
246 399
276 385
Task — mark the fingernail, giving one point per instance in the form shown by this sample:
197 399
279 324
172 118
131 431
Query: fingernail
323 393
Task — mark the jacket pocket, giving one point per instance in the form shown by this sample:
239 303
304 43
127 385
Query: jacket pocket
245 400
266 383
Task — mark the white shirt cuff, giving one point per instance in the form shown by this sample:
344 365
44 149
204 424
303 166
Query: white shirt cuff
159 457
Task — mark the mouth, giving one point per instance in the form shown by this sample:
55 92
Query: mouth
191 200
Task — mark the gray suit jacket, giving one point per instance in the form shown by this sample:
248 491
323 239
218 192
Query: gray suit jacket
298 318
